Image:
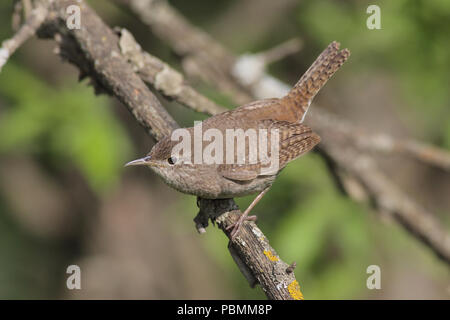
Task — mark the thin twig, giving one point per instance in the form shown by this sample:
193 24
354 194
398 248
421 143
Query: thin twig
257 260
195 46
96 50
428 154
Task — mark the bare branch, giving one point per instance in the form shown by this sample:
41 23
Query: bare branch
386 144
164 78
387 197
196 47
251 251
95 50
428 154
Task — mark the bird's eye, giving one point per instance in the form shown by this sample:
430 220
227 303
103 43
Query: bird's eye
172 160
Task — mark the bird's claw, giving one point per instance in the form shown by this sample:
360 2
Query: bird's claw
236 226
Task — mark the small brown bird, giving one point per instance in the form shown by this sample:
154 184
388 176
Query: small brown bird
238 172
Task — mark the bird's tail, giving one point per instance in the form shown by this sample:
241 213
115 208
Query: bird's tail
301 95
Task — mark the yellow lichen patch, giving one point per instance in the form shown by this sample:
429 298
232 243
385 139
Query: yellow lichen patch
270 255
294 290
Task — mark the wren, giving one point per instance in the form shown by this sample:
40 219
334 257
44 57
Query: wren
286 139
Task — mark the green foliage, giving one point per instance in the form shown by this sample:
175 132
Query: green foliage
68 125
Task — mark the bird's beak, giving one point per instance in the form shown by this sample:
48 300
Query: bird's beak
146 161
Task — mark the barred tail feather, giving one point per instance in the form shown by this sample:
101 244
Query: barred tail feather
301 95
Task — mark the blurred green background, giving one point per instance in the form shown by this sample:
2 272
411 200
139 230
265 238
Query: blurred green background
65 197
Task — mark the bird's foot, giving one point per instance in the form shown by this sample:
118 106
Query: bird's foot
237 225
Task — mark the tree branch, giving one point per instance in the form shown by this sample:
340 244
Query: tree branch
97 51
251 251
